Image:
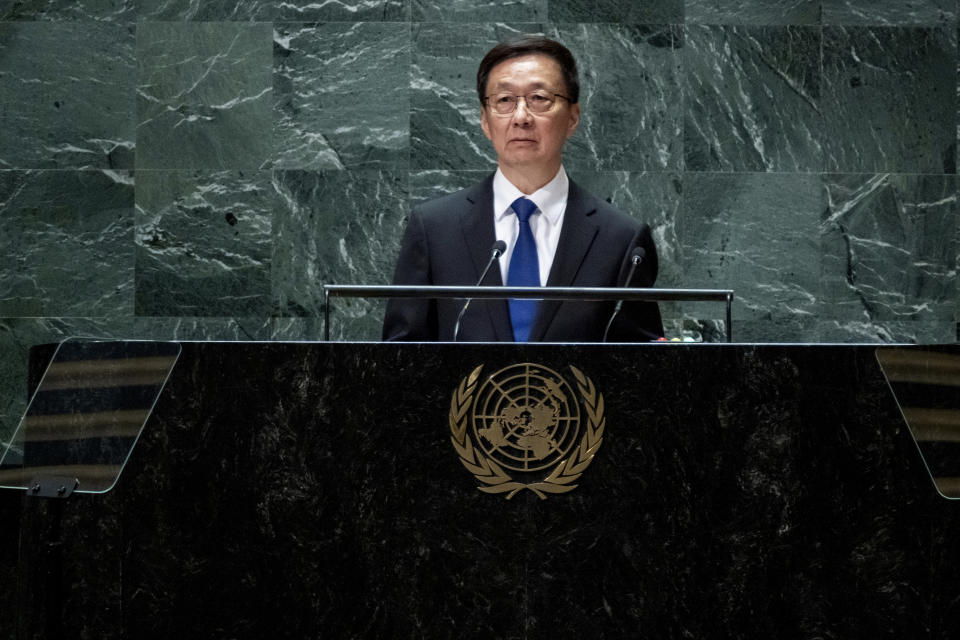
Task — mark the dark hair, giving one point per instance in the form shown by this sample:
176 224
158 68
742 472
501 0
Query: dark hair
526 46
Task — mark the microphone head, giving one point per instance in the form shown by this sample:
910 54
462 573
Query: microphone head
637 255
498 248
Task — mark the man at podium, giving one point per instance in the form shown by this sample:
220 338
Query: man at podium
553 232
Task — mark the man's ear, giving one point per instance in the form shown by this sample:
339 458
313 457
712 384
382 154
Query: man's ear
574 119
484 123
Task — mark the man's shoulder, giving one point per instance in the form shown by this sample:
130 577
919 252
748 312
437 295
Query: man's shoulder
446 204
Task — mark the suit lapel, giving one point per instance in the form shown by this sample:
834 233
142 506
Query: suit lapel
476 222
576 237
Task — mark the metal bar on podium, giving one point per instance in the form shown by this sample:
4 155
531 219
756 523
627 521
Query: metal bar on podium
540 293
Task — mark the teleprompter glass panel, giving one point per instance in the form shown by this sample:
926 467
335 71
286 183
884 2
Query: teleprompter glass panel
926 384
87 413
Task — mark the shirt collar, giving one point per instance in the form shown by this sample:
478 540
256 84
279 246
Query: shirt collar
550 198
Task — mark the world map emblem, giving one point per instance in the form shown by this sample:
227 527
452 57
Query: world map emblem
526 427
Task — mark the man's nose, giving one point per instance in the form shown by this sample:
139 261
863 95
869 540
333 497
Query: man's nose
522 115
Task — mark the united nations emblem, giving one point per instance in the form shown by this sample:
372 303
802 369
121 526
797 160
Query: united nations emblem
521 428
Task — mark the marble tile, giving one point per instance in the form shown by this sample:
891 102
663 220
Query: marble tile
889 12
204 243
343 11
341 96
888 99
752 100
630 87
203 95
889 251
754 233
617 11
478 10
206 11
753 12
336 227
627 122
72 106
98 10
68 238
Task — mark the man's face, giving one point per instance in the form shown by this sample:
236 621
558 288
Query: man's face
525 140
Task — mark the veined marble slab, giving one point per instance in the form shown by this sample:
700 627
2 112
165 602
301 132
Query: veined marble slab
205 10
340 227
755 233
890 12
617 11
888 99
342 96
753 12
630 84
478 10
889 245
67 238
204 95
71 107
343 10
123 11
752 99
204 243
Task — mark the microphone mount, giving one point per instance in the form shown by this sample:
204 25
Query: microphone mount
637 254
497 250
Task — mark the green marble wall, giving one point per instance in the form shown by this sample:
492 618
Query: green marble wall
195 170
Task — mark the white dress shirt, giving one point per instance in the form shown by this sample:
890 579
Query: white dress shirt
545 223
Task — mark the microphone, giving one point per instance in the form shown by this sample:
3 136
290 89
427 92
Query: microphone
636 257
497 250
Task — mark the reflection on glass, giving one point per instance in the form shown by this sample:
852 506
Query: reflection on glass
926 384
87 413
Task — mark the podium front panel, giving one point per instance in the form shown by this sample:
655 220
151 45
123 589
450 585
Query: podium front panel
296 490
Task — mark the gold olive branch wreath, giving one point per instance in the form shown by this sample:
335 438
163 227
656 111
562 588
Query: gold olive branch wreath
490 473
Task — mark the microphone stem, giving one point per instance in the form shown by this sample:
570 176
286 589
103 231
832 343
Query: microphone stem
495 255
616 310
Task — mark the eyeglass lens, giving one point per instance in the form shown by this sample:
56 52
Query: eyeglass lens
537 102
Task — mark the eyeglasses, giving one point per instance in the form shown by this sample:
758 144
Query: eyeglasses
536 101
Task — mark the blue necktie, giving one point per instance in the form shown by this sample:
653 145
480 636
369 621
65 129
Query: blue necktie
524 271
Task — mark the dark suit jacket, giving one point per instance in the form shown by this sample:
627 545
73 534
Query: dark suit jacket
448 242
